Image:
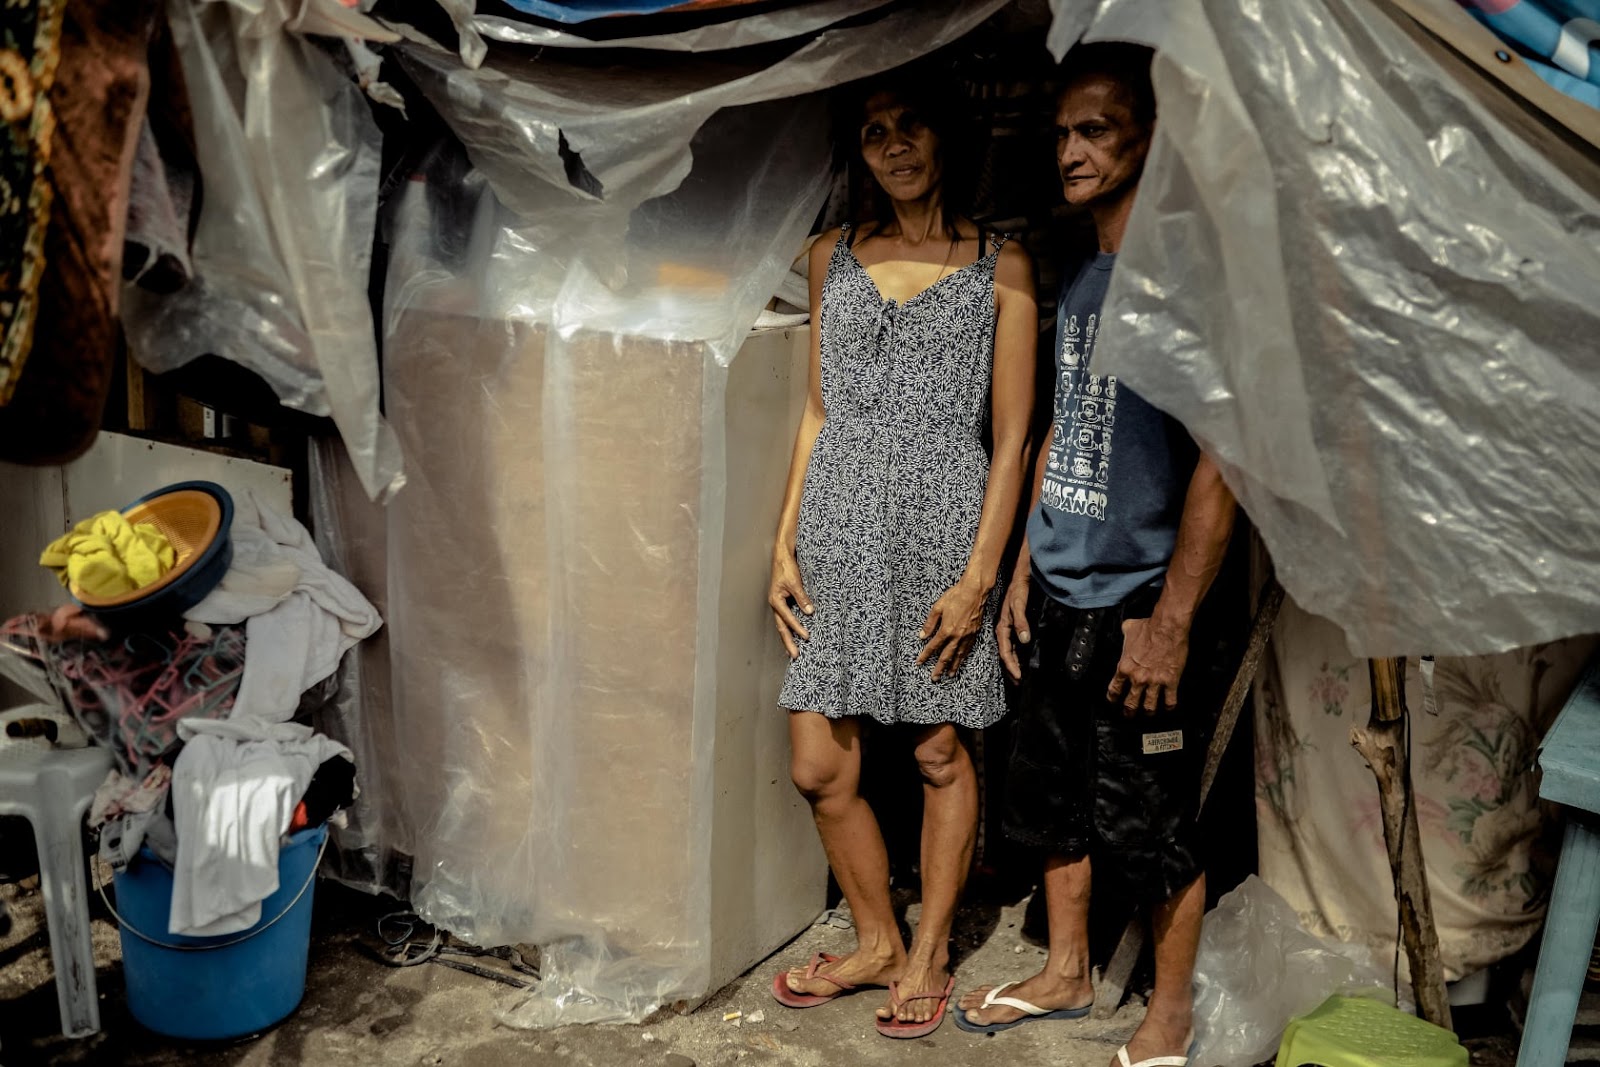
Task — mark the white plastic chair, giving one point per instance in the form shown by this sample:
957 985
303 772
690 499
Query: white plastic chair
52 790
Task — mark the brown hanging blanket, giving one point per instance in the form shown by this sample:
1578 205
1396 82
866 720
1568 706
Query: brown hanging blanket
74 82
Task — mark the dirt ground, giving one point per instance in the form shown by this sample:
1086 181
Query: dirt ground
358 1012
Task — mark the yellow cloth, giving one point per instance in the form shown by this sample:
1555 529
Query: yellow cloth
107 555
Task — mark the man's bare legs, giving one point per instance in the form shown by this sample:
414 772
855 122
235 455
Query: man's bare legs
1169 1021
949 833
1064 982
826 768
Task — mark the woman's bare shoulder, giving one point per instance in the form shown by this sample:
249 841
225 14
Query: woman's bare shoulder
822 247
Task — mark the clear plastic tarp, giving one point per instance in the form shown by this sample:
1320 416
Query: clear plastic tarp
557 340
289 158
1363 276
764 28
572 142
580 11
372 850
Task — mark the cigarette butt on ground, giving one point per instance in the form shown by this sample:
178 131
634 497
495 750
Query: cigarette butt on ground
730 1016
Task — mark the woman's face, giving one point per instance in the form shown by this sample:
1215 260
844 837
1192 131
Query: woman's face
899 148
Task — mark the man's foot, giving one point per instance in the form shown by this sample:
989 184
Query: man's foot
1159 1036
1044 990
861 967
918 977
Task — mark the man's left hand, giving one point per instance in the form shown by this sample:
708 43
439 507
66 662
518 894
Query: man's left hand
1153 657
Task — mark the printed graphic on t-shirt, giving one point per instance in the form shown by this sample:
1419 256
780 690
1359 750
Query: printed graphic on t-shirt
1078 473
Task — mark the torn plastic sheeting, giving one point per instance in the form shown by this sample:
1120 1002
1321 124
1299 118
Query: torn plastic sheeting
282 250
351 534
1258 968
765 28
577 11
628 126
1359 275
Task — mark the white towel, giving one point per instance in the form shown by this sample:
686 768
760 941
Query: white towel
234 791
300 617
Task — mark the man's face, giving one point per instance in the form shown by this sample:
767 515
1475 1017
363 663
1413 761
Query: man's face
1100 144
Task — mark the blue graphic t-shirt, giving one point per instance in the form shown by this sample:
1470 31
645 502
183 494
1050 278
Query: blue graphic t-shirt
1107 520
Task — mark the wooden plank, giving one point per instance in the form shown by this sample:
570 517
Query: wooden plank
1268 605
140 405
1113 985
1564 953
1119 972
1446 20
1570 755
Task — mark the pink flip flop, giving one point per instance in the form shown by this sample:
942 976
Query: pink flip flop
905 1031
790 999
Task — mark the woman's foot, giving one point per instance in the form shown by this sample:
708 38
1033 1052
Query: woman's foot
1044 990
931 976
862 967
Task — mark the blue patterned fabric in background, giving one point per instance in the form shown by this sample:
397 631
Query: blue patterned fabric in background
1560 39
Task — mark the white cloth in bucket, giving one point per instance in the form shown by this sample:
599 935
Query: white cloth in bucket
234 791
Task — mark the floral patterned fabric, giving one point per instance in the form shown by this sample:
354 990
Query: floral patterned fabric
1320 831
893 495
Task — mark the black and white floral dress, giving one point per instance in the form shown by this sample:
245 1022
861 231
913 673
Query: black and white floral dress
893 494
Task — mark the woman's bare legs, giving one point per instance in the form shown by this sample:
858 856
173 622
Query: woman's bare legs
826 768
949 832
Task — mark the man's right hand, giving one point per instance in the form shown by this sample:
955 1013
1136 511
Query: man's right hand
1013 620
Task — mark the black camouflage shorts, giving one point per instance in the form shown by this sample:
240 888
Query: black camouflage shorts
1088 778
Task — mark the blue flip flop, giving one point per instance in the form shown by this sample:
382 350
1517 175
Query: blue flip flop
1032 1012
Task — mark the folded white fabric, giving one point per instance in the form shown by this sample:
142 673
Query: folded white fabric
300 617
234 790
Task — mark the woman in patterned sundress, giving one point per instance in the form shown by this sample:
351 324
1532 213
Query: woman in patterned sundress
894 522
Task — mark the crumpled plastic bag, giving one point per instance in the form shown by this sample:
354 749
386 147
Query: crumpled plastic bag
1258 968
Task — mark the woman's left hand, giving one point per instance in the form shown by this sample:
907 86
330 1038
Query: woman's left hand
951 627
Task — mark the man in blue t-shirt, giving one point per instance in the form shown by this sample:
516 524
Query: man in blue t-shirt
1129 526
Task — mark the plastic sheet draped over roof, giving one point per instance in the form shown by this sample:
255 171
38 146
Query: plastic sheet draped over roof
757 29
579 11
574 143
1364 277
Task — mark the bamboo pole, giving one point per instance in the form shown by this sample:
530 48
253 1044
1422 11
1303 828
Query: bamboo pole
1382 743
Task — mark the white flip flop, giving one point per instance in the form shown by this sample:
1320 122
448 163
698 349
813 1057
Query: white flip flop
1031 1012
1155 1061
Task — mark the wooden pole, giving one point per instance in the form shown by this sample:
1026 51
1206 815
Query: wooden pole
1382 743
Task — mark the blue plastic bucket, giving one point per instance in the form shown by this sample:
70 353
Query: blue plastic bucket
210 988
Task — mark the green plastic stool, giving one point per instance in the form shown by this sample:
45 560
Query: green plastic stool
1356 1032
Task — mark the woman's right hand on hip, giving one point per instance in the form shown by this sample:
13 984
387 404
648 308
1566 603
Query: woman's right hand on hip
786 593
